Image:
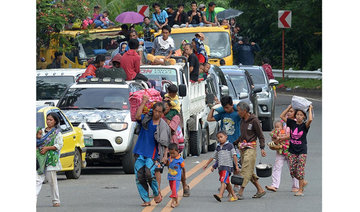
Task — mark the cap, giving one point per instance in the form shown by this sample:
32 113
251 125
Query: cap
201 6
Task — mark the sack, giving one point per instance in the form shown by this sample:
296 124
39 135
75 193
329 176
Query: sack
300 103
77 24
180 138
135 100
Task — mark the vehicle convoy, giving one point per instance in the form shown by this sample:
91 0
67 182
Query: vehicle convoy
218 39
73 152
196 129
52 83
100 107
265 98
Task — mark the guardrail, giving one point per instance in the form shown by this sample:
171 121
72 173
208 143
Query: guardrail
298 74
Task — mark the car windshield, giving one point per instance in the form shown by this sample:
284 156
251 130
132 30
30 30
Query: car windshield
257 76
160 74
40 120
52 87
218 42
95 98
98 43
240 83
231 89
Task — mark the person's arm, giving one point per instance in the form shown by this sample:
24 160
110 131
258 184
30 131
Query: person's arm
260 135
137 64
166 22
155 21
165 157
210 117
205 20
216 21
200 17
283 114
141 107
208 162
177 16
236 163
308 122
255 47
58 144
191 16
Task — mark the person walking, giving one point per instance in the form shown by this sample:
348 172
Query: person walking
49 149
250 130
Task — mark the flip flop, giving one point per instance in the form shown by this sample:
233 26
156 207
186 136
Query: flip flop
158 197
233 199
270 188
145 204
56 205
240 197
259 195
186 191
299 194
217 197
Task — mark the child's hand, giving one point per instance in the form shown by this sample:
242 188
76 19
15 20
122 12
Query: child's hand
44 150
204 167
212 169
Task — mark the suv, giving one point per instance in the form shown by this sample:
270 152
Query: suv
265 98
52 83
100 107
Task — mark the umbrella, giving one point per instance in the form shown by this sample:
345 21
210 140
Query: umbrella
218 9
129 17
229 13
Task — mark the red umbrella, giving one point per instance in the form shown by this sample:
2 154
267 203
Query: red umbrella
129 17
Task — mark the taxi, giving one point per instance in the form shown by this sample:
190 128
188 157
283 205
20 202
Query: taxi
73 152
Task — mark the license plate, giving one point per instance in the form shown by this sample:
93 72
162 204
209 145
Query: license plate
88 140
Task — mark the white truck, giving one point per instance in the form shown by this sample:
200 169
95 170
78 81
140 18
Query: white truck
100 107
196 129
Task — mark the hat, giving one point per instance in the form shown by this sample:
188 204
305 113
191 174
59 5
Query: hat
201 6
117 58
200 34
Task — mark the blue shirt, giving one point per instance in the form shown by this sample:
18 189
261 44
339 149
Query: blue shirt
127 46
160 18
146 144
175 165
230 123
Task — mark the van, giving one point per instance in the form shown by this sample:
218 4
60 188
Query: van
217 38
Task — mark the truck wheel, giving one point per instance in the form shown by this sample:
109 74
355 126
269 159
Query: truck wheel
185 151
195 141
128 161
76 172
205 141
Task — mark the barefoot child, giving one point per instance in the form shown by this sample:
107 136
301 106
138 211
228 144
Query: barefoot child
176 166
298 144
225 157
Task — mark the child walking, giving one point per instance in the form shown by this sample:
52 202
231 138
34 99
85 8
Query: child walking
298 144
225 157
176 166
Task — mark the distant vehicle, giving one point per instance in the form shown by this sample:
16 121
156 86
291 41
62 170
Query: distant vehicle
52 83
73 152
265 98
100 107
241 88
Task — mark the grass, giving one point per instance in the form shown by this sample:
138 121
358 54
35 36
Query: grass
300 83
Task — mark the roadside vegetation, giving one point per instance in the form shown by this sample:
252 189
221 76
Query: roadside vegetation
299 83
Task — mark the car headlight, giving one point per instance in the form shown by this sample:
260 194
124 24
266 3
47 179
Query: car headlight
263 94
117 126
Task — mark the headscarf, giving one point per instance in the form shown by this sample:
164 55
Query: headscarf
120 47
181 45
200 48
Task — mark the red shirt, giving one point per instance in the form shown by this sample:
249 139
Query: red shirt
130 62
200 57
268 70
90 71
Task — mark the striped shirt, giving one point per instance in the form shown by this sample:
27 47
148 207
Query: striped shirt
224 156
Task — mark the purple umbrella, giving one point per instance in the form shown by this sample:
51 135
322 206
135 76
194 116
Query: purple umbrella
129 18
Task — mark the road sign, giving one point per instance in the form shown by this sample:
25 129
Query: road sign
284 20
143 10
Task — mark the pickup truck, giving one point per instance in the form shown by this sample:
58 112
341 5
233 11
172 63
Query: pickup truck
192 99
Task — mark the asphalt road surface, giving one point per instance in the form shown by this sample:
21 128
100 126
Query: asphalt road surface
110 189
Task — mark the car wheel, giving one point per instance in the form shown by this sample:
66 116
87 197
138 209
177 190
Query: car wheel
195 139
267 124
205 141
128 161
76 172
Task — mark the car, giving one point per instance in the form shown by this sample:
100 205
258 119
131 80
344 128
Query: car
265 98
52 83
100 107
73 152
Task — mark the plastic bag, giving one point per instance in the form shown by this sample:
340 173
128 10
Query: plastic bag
300 103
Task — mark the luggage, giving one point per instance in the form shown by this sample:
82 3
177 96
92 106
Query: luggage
135 100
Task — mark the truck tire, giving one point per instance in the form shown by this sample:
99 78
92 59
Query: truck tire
185 151
76 172
195 139
128 161
212 146
205 141
267 124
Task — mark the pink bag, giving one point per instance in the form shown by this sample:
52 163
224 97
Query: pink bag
135 100
87 22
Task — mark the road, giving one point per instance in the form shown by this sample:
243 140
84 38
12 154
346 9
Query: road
110 189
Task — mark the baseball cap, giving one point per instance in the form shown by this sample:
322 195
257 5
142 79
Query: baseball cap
201 6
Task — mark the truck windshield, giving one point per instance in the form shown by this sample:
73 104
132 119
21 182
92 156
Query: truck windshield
95 98
160 74
218 42
52 87
98 43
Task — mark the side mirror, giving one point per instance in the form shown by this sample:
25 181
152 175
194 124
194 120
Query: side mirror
182 90
224 90
273 82
257 90
243 95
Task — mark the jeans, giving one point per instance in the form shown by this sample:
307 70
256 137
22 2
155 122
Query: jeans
100 23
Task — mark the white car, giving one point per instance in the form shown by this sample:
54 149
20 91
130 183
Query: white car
52 83
100 107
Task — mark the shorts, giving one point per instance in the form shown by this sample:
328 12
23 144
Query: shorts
174 187
224 176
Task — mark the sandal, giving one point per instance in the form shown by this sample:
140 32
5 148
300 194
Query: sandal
145 204
294 190
217 197
158 199
299 194
186 191
233 199
270 188
240 197
56 205
259 195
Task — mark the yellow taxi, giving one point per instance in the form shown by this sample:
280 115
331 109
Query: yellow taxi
72 154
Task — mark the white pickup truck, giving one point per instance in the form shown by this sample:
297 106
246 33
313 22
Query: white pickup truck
192 99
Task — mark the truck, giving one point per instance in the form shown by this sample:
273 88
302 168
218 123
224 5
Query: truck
197 131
